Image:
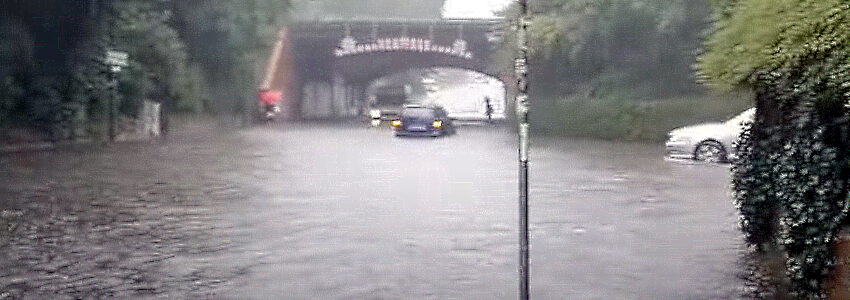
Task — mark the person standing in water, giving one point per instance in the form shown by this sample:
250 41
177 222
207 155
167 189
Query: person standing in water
488 109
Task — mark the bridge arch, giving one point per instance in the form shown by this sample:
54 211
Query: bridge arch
328 65
464 93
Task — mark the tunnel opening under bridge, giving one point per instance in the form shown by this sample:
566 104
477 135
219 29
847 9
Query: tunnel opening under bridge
325 70
465 94
352 85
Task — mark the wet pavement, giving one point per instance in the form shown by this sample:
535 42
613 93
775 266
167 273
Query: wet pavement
348 212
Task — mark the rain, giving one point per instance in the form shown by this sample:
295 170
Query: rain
374 149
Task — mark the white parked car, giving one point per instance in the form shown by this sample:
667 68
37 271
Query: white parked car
711 142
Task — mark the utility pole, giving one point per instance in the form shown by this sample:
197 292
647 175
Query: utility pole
521 71
112 95
114 60
110 24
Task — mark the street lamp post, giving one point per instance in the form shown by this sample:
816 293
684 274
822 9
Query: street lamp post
114 61
521 71
112 95
107 13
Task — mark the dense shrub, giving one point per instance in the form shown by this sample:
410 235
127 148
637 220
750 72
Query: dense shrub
177 51
635 120
791 184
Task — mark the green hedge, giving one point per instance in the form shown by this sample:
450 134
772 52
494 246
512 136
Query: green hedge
634 120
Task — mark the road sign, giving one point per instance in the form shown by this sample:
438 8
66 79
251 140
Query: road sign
116 58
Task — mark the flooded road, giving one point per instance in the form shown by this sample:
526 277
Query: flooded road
343 212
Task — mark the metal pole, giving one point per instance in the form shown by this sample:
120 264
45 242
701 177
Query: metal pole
111 114
112 93
112 80
521 70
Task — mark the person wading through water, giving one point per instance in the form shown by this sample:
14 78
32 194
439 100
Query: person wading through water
488 109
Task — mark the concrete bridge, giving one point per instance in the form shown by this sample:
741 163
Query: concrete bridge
323 68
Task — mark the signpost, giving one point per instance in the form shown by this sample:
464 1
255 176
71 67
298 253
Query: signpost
521 71
115 60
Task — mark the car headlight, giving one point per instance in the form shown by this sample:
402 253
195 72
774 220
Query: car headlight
396 123
375 113
437 124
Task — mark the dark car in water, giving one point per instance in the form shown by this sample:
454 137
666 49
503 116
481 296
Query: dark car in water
422 121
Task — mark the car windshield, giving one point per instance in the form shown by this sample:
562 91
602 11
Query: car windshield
418 113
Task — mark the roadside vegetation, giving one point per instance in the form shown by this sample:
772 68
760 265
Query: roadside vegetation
634 69
791 183
366 9
193 56
619 69
647 120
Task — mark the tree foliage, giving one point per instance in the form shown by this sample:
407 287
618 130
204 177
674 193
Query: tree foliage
39 64
192 55
764 36
603 48
614 57
228 41
367 9
791 184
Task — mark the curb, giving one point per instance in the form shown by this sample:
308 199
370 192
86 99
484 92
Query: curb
15 148
40 146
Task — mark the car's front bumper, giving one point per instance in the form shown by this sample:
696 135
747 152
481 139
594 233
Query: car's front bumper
679 149
400 132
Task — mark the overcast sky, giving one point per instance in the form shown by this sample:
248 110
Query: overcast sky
473 8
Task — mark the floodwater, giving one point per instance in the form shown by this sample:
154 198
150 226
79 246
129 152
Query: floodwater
291 211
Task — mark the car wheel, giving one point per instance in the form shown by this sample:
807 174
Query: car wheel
710 151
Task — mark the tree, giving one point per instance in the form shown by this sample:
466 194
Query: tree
159 57
43 83
622 52
367 9
227 41
205 55
791 184
597 47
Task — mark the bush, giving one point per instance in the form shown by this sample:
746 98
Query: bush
11 93
622 119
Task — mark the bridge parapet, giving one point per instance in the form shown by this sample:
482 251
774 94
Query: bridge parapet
349 46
